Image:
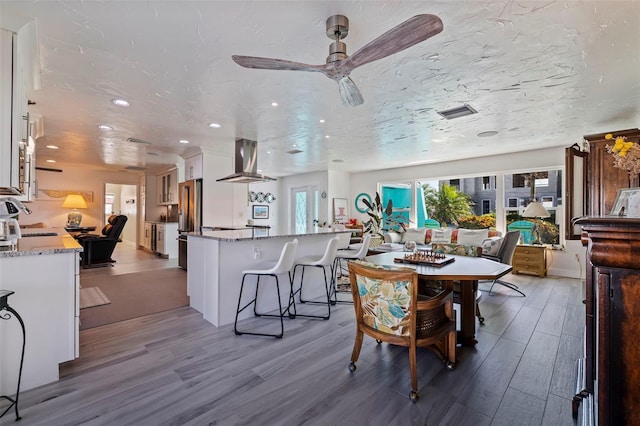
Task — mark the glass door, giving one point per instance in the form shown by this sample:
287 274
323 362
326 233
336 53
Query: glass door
304 203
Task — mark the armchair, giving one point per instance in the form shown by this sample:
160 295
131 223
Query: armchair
98 248
505 255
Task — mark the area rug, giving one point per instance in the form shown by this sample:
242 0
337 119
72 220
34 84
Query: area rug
91 297
135 295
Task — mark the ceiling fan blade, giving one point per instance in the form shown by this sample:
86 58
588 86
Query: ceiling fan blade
275 64
349 92
412 31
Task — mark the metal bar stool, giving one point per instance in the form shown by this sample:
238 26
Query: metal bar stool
4 306
326 261
283 266
349 254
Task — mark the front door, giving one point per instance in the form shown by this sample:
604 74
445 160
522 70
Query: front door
304 203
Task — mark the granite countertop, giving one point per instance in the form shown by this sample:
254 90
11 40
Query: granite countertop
247 234
37 241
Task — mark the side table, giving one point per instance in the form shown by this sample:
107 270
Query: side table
4 306
530 259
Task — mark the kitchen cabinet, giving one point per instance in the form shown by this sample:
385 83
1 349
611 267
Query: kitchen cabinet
167 187
609 373
17 146
530 259
193 167
161 238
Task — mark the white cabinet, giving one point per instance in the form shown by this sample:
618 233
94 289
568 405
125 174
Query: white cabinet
193 167
17 148
161 238
167 187
148 230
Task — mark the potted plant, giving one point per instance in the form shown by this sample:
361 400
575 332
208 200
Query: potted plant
379 215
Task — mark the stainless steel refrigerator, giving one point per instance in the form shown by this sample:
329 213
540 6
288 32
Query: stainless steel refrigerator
189 215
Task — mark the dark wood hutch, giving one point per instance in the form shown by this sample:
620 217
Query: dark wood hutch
608 386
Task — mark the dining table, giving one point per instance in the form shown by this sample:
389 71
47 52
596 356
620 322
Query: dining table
466 270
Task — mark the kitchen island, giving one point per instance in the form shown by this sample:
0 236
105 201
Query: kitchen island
216 261
43 271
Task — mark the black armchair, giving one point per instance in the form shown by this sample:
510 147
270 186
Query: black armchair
98 248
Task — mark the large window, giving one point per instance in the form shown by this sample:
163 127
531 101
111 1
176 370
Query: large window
518 191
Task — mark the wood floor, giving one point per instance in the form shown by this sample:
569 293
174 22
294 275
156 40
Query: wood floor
174 368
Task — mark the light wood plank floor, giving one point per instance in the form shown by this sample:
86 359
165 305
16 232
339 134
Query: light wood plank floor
174 368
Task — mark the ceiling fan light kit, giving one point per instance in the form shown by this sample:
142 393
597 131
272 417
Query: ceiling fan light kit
339 65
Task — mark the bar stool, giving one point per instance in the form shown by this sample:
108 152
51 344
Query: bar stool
283 266
348 254
4 306
326 261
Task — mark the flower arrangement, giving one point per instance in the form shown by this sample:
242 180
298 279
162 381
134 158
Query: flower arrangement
626 154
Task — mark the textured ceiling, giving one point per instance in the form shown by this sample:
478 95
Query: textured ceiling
540 73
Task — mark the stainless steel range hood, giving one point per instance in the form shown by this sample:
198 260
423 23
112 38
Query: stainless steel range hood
246 161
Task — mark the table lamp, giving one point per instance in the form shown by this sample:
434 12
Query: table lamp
74 202
536 210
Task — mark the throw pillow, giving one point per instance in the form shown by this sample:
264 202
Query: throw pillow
413 234
491 246
441 235
472 237
392 237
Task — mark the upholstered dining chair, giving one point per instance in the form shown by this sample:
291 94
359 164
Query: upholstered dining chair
505 255
389 309
326 263
281 267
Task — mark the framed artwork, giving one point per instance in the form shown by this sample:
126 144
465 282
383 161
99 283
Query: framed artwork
340 210
260 212
627 203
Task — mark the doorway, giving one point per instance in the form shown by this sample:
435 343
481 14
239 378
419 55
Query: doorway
123 199
304 209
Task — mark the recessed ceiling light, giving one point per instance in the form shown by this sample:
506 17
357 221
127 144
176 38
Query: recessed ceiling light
120 102
275 104
183 141
268 152
214 125
487 134
52 147
322 121
327 136
105 127
51 161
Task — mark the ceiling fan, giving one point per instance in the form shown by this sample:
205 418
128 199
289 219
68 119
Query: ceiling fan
338 65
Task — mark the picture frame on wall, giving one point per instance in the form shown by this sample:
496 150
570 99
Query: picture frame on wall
340 210
627 203
260 212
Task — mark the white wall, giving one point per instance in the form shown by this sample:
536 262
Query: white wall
272 187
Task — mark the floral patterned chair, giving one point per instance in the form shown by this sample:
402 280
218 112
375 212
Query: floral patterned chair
389 309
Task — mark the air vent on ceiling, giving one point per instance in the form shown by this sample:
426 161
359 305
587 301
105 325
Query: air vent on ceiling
136 140
135 168
294 151
457 112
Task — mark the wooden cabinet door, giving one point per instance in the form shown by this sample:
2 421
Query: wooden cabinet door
604 180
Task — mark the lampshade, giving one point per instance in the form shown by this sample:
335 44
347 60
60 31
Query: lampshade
74 201
535 209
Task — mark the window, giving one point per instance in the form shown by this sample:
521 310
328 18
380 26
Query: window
486 206
455 183
486 183
547 201
512 202
519 181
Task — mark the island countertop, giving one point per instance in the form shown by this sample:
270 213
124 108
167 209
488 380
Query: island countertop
38 241
247 234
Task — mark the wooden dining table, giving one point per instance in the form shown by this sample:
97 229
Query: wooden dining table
467 270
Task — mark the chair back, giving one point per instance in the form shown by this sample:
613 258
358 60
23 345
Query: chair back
364 247
287 257
344 240
330 252
384 298
115 225
508 246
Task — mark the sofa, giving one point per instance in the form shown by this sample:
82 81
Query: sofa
394 241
